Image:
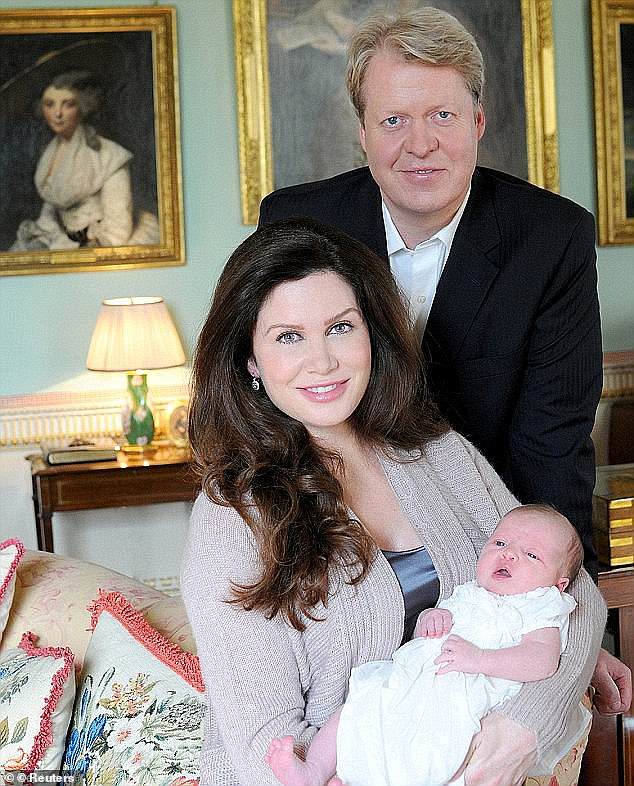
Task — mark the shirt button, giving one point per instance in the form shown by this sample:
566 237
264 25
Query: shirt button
421 298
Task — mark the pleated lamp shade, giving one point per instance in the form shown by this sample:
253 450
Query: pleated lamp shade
134 333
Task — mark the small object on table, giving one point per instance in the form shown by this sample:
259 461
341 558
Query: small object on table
613 514
79 450
176 415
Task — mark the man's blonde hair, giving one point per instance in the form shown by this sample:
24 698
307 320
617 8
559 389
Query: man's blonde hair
428 35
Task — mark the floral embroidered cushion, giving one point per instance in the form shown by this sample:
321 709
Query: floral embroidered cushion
37 689
11 552
140 708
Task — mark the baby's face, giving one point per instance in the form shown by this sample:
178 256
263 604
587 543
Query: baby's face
525 552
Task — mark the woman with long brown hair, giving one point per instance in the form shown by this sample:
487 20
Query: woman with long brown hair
336 506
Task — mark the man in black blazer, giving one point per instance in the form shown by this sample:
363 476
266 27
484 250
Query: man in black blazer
513 337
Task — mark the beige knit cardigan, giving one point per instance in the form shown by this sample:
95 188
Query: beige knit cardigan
265 679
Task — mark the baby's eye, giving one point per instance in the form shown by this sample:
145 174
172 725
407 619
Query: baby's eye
340 328
530 555
500 543
289 337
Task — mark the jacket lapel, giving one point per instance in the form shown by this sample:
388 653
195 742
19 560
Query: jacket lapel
470 270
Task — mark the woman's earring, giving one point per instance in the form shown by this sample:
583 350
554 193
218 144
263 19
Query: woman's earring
255 383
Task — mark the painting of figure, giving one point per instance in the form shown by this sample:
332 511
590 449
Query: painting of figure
77 157
314 128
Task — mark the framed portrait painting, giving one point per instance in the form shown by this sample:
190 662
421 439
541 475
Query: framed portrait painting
613 59
296 123
89 140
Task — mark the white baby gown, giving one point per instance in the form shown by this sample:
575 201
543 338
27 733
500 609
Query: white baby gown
404 725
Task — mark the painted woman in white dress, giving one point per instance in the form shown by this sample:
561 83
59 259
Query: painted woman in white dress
82 178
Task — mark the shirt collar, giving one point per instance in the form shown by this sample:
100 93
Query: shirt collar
445 235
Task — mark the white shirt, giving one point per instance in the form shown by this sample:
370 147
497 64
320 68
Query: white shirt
418 271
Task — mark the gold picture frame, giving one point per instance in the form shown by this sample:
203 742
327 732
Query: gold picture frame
130 134
536 83
612 26
176 422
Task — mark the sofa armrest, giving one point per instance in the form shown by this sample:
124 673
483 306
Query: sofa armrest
52 594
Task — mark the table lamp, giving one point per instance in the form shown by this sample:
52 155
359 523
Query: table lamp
135 334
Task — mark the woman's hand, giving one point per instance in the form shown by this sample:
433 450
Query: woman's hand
501 754
612 681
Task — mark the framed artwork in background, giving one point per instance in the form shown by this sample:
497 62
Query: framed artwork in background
89 140
613 59
296 123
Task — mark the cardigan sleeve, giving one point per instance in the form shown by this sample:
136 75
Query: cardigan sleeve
546 706
248 662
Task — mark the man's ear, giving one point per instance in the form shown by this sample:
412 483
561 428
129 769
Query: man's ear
252 368
362 135
562 584
480 121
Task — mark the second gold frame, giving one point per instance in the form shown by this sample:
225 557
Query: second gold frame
533 80
613 58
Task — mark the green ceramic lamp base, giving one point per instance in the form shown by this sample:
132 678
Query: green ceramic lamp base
137 418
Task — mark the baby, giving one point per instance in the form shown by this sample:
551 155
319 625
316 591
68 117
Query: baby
411 720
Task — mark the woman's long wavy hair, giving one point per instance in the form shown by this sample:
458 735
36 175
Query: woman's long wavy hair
255 458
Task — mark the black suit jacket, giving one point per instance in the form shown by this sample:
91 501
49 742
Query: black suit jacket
513 339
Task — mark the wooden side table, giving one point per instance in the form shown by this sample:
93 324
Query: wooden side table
164 476
609 759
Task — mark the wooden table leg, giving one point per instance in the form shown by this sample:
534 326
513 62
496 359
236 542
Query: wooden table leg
43 517
45 532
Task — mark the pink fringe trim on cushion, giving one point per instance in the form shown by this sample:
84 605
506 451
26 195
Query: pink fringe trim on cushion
182 663
14 564
44 738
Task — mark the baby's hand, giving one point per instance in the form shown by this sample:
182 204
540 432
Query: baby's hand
457 654
433 623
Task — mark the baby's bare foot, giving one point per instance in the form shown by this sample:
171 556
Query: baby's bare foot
286 766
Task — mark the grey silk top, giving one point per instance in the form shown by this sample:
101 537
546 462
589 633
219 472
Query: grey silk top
419 583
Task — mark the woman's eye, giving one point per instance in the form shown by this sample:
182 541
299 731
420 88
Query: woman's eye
340 328
288 338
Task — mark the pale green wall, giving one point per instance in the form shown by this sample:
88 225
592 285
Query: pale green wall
46 321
